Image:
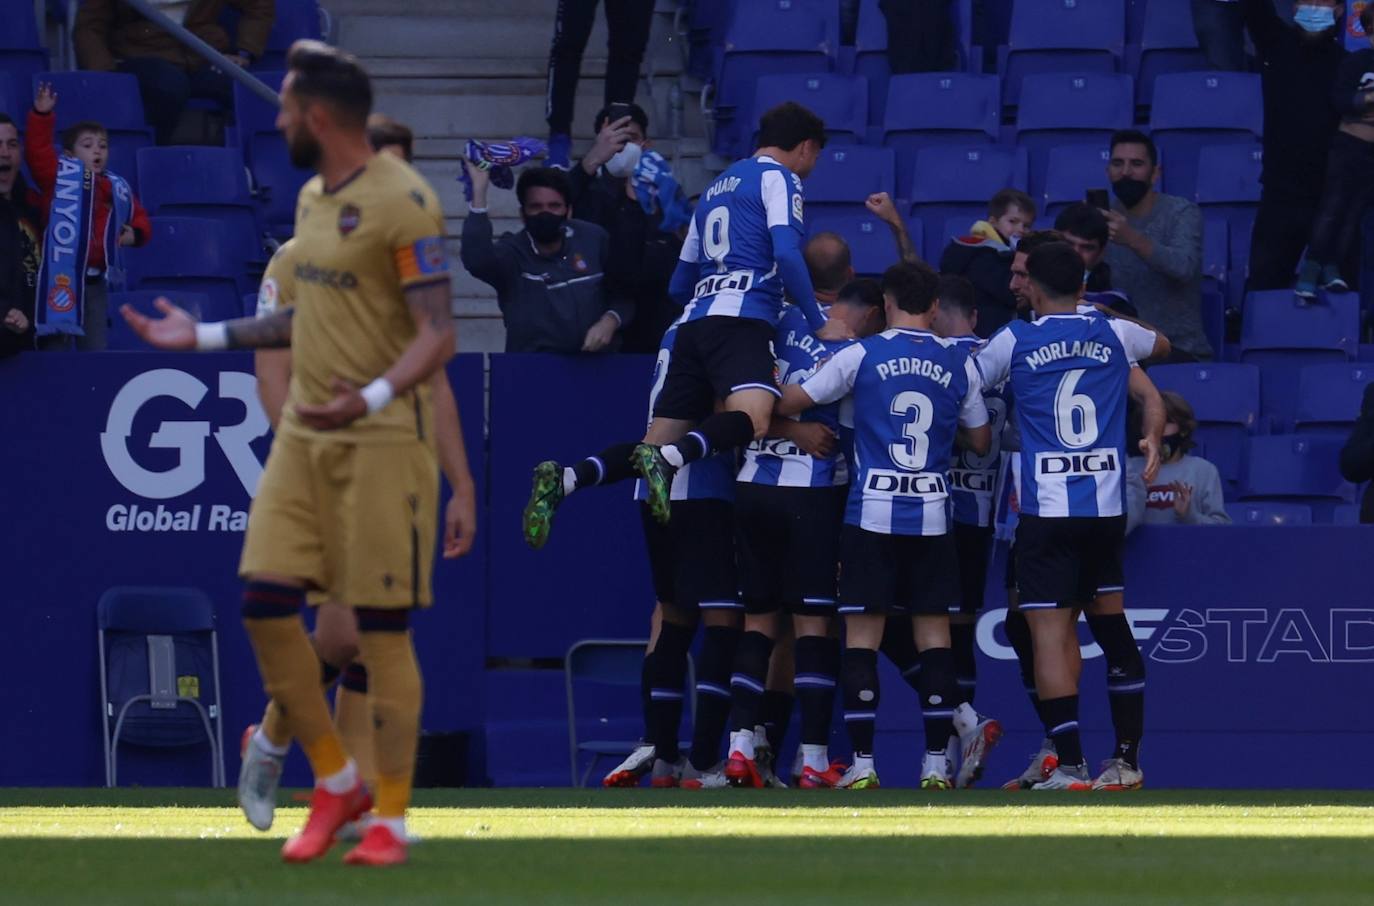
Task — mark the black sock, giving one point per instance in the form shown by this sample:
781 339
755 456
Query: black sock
860 698
713 694
818 669
607 467
939 691
899 647
1125 682
1062 717
666 670
722 431
1018 634
746 682
776 715
961 639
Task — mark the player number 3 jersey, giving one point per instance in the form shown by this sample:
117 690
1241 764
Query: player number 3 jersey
1069 375
912 391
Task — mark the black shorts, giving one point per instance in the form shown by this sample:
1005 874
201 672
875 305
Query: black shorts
789 547
712 358
897 574
1069 561
974 546
692 558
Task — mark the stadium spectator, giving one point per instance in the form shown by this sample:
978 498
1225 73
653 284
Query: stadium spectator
16 328
1357 456
1220 32
117 219
114 37
385 134
549 277
23 204
1155 249
1187 490
1298 73
627 24
984 257
1347 189
621 186
1083 227
920 35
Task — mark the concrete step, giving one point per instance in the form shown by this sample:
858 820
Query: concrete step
480 334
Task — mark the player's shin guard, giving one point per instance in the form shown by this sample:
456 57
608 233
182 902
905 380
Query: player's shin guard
395 693
665 669
961 637
607 467
713 694
291 671
1125 682
939 690
899 647
722 431
353 720
1062 717
860 698
274 726
747 681
776 715
818 669
1019 635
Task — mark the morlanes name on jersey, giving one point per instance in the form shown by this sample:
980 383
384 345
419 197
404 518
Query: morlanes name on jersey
915 367
1062 349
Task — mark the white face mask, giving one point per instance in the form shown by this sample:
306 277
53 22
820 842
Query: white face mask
625 160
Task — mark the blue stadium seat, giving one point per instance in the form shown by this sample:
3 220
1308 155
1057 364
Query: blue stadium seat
192 254
870 50
706 24
1135 20
1228 185
840 100
1058 108
21 56
1298 470
274 178
1346 514
111 99
844 177
122 336
1167 44
928 109
871 245
1282 335
953 181
295 19
1226 401
1062 36
1273 514
1194 109
1329 397
203 182
1070 171
1216 254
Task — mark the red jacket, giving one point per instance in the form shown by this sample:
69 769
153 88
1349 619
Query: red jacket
40 153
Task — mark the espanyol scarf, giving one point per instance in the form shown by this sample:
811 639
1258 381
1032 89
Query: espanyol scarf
655 186
121 213
62 277
500 158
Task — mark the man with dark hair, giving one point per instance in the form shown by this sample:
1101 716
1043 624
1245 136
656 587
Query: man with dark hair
984 256
912 394
20 229
1085 228
370 327
1156 246
1070 375
549 277
388 135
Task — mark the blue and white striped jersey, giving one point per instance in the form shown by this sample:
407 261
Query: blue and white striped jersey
912 391
973 478
730 241
1069 374
775 461
712 478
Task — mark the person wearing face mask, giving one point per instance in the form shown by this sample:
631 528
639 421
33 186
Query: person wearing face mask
550 278
1187 490
1155 249
984 257
614 188
1299 57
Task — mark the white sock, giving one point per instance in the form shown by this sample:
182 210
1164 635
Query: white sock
672 454
760 737
863 763
342 782
266 745
965 719
742 741
817 758
569 481
397 826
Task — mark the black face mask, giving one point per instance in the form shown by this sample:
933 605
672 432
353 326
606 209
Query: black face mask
545 227
1170 445
1130 191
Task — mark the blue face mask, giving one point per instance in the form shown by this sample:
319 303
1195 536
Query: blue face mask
1315 18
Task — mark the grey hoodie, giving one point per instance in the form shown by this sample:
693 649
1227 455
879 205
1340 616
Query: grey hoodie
1154 505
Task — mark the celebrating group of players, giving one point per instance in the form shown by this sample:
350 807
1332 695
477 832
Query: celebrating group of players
836 458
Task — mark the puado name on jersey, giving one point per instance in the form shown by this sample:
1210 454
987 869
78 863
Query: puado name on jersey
1063 349
721 186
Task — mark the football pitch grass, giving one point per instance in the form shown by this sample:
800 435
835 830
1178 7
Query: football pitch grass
724 847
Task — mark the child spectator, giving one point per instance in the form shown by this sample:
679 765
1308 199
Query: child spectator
984 257
1187 490
1347 173
76 298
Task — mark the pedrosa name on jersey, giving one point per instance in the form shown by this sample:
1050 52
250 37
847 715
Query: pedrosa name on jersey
919 367
1078 349
1087 462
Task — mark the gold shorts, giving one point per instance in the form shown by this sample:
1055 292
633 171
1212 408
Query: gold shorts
356 522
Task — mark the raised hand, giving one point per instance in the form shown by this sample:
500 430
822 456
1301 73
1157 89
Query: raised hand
44 99
175 330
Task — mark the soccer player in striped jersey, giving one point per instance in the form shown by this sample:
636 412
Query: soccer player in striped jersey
789 505
913 394
1070 374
